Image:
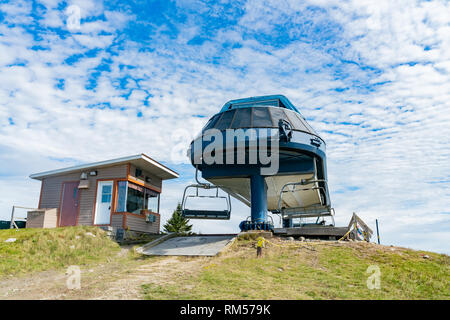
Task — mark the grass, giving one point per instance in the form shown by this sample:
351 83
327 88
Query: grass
287 270
46 249
312 271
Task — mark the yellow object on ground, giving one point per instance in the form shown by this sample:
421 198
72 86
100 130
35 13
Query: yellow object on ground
261 242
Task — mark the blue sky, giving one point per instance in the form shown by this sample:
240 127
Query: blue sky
373 78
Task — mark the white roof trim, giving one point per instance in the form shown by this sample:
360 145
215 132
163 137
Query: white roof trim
103 164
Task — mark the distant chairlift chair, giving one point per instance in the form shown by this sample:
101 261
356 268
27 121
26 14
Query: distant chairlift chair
204 214
317 210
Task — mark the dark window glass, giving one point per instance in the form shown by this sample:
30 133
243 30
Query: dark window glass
242 118
273 103
261 118
135 199
212 122
139 198
225 121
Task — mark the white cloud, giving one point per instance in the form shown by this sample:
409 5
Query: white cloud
396 151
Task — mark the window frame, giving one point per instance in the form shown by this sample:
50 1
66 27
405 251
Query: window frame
145 186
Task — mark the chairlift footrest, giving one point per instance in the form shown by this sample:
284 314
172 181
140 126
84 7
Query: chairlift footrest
206 214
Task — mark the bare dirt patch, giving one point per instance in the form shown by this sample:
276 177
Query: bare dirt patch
121 278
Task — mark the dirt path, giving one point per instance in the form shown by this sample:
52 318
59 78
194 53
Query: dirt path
118 279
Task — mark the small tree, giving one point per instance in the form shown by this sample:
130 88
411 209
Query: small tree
177 223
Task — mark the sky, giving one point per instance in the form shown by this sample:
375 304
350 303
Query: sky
128 77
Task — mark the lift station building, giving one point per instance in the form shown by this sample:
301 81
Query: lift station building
121 193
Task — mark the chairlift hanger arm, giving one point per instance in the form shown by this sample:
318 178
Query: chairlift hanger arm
205 214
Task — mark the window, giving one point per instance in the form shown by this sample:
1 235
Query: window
271 103
211 123
277 114
133 198
225 120
242 119
296 121
151 201
261 118
121 196
106 194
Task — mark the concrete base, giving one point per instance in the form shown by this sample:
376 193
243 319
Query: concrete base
253 234
190 246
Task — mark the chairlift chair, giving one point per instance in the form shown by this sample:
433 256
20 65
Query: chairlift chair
205 214
317 210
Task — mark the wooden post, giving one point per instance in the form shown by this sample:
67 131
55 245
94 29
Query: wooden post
11 225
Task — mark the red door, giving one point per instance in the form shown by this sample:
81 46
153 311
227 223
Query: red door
69 206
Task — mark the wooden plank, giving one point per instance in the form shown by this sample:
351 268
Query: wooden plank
363 224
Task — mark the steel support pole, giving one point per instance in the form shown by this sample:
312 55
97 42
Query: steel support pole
378 233
258 191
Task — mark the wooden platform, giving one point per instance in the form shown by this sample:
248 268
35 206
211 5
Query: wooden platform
319 231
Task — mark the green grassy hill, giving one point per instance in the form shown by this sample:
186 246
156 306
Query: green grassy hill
46 249
312 270
287 270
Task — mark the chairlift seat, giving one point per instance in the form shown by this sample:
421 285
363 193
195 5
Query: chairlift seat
206 214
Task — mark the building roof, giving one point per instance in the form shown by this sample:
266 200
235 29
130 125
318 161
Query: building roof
142 161
277 100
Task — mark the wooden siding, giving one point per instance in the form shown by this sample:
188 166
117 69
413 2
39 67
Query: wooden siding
155 181
52 186
135 223
51 189
42 218
87 201
117 220
51 195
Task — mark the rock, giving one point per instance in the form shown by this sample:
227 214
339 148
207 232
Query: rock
290 238
302 239
11 240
